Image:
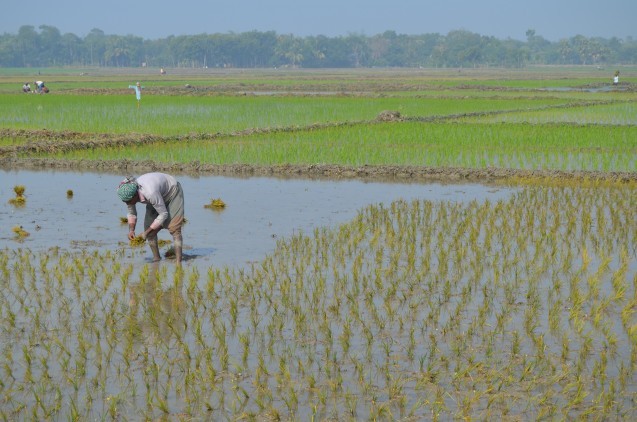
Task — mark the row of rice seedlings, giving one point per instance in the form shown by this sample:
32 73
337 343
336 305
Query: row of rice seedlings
624 113
520 146
176 115
521 308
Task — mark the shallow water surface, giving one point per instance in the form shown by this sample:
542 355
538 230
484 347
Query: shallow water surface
258 212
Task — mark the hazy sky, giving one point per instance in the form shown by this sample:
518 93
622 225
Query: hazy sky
152 19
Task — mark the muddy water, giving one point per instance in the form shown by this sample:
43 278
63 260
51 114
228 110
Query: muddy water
258 212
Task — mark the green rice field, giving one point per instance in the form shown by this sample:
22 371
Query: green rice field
521 308
334 118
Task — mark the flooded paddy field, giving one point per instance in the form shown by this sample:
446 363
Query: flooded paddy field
258 212
418 246
314 299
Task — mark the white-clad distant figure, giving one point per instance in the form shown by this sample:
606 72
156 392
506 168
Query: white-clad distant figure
138 92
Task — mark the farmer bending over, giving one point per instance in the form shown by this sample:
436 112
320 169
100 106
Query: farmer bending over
164 201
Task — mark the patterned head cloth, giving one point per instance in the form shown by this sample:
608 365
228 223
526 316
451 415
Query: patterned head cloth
127 189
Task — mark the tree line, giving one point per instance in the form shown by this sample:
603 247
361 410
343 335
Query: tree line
46 46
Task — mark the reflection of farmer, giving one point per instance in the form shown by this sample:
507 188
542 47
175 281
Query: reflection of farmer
157 312
138 92
164 201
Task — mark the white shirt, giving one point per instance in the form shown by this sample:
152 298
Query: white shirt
154 189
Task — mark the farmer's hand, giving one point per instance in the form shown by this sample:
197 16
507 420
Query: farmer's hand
131 235
146 233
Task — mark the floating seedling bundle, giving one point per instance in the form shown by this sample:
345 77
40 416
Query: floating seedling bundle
19 199
216 204
20 233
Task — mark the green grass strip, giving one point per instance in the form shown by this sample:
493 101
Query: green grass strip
517 146
180 115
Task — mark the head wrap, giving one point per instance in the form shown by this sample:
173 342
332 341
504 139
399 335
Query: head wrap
127 189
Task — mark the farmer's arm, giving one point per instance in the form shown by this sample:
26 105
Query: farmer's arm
132 221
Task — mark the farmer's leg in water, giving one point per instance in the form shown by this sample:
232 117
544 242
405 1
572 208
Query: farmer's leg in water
176 210
154 245
174 227
178 243
151 234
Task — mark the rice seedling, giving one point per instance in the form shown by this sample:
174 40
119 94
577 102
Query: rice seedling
19 200
20 233
216 203
137 241
69 193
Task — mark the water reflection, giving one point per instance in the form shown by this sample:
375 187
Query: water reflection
258 212
156 303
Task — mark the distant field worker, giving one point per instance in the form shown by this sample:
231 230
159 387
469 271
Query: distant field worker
138 92
164 201
40 88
